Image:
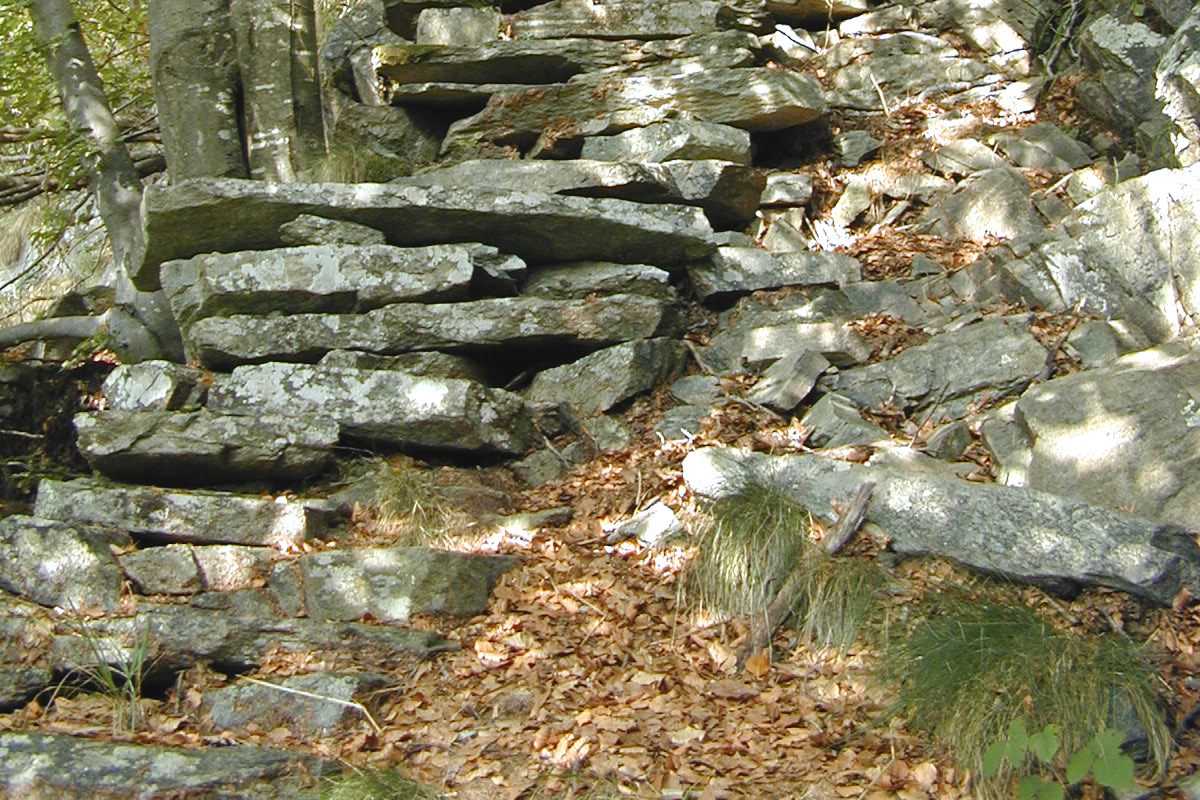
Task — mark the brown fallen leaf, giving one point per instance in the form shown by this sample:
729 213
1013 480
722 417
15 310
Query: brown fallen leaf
758 664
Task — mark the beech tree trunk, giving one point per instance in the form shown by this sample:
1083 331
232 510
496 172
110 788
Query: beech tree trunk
141 324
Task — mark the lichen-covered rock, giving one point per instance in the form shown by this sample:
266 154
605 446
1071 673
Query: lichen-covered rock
1178 89
153 386
384 406
597 382
198 517
740 270
476 326
670 140
60 564
203 447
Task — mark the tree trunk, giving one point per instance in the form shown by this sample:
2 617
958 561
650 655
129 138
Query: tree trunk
112 178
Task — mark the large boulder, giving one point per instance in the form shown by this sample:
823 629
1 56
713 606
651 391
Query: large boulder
1178 89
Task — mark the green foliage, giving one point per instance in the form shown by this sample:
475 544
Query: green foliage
1101 757
969 666
757 540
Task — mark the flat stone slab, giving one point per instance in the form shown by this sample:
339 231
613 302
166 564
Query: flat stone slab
325 707
583 279
331 278
632 19
601 380
997 356
153 386
1019 534
183 569
749 347
740 270
672 140
726 191
59 564
384 406
42 765
204 215
756 99
477 326
389 583
198 517
204 447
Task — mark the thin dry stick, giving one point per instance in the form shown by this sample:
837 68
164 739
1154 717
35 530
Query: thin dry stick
785 600
315 696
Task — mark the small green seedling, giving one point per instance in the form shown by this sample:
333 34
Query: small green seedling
1101 757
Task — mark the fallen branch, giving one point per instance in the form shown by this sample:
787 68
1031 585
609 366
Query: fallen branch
785 600
53 328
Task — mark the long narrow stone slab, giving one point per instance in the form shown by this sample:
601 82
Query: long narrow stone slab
204 215
384 406
199 517
634 19
332 278
727 192
756 99
478 325
1021 534
204 448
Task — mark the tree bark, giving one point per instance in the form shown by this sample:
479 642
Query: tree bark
112 178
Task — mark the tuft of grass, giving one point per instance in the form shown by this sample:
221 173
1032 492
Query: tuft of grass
969 666
117 674
756 541
374 784
411 508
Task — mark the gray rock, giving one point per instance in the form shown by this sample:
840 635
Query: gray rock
541 467
1009 443
786 189
1002 30
682 422
751 346
699 390
154 386
996 358
583 279
435 365
162 570
228 567
1121 54
599 381
788 381
919 186
727 192
854 146
950 441
739 270
198 517
1019 534
346 52
389 583
391 141
206 215
309 229
58 564
462 27
855 199
332 278
962 157
18 684
1096 343
632 19
651 526
834 421
894 73
991 202
607 433
384 406
1130 253
755 99
40 766
886 19
1124 436
1177 87
478 326
1043 146
324 708
815 11
670 140
203 447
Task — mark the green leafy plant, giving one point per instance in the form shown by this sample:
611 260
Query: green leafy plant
971 661
1102 758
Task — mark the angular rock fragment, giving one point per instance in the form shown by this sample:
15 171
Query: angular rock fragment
153 386
786 189
1019 534
203 447
198 517
389 583
583 279
384 406
597 382
752 98
691 140
59 564
1177 87
167 570
748 347
996 357
225 215
789 380
990 203
463 26
477 326
318 704
833 421
740 270
309 229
